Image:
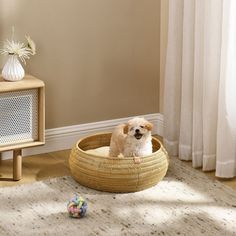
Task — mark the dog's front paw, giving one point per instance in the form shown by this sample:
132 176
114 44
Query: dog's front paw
137 160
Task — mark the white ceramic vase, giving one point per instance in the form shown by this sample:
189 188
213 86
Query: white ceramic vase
13 70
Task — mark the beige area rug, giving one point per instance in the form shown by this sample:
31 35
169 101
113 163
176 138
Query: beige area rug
186 202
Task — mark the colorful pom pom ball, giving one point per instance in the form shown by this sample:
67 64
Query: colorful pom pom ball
77 206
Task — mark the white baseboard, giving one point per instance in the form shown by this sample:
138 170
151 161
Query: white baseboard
65 137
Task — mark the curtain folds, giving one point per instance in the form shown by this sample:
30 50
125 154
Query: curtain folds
200 84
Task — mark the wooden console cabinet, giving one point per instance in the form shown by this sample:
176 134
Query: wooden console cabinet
22 117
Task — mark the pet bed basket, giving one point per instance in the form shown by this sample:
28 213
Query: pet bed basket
116 174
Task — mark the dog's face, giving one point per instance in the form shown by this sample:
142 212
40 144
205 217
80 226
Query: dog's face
139 128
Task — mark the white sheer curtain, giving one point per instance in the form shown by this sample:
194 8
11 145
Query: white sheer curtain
200 84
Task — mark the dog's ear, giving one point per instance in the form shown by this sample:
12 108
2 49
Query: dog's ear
126 129
149 126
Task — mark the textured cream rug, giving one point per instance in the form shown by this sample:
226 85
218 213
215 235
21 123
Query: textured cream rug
186 202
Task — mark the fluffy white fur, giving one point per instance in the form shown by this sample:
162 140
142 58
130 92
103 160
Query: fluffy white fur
132 140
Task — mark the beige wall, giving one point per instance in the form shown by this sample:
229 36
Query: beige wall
100 59
163 47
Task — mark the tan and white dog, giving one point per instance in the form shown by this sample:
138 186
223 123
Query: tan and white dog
132 139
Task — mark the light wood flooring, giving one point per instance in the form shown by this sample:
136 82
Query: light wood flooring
55 164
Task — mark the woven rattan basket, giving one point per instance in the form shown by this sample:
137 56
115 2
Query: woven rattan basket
116 174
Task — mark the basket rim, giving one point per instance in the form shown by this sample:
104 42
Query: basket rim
115 158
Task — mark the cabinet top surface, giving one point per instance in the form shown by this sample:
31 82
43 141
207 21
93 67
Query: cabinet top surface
28 82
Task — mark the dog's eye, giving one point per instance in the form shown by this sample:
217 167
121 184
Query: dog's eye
132 128
141 126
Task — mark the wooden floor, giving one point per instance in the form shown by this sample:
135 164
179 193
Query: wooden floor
35 168
55 164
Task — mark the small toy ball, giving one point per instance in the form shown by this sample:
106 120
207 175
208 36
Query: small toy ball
77 206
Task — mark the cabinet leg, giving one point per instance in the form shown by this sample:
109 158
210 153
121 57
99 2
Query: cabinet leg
17 164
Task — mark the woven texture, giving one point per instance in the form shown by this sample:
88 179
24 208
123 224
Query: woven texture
19 117
184 203
116 174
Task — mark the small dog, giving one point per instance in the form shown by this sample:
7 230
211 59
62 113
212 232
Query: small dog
132 140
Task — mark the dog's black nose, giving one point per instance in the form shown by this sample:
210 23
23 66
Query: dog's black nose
137 131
